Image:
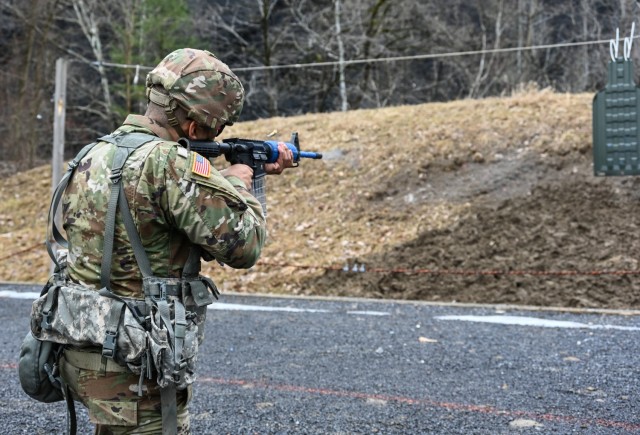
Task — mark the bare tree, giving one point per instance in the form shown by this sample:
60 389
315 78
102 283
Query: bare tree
28 64
86 13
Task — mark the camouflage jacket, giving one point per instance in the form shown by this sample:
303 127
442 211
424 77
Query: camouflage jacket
173 207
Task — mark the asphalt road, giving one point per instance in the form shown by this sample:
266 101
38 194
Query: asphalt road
279 366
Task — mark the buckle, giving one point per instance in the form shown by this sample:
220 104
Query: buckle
72 165
52 374
46 321
163 293
109 345
180 328
178 367
116 175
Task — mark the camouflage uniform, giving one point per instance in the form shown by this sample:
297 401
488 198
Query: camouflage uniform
175 205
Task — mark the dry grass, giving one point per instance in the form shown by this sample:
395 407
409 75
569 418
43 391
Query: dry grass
354 202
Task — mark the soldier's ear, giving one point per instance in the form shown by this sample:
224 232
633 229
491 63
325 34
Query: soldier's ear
192 130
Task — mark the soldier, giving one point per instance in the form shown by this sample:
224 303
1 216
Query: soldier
178 201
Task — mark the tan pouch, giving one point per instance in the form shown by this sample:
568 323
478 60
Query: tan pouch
76 315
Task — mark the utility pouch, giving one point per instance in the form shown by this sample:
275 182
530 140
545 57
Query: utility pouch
197 294
159 333
176 326
75 315
38 369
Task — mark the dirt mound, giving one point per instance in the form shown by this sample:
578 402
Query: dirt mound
546 244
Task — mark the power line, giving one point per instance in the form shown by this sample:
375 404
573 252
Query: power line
387 59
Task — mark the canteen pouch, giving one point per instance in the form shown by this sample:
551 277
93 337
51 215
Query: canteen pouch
197 294
174 331
38 361
38 369
171 367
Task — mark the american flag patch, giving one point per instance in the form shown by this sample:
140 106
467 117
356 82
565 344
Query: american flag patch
201 166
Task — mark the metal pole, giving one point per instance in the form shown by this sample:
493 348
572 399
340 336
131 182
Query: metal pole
59 112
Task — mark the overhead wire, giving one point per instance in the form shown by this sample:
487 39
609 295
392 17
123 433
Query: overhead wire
386 59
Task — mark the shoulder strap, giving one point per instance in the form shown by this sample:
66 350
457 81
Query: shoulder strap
126 144
53 232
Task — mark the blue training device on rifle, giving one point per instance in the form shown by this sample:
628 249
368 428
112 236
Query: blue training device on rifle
254 153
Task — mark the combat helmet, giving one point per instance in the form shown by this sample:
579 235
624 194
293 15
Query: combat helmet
201 84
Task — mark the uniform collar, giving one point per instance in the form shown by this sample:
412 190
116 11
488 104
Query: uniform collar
146 125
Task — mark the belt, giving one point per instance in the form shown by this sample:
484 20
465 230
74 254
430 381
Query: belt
167 289
92 361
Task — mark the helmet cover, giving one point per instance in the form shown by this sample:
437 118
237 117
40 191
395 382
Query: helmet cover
201 84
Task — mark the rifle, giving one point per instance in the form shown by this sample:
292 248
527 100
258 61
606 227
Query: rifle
250 152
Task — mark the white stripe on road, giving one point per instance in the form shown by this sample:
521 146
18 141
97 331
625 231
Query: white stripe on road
533 321
217 305
242 307
18 295
368 313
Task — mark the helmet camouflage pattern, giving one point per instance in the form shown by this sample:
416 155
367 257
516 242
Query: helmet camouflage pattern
201 84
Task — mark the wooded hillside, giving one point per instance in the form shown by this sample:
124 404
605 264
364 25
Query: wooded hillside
377 40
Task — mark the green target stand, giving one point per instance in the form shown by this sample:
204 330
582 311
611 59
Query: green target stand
616 117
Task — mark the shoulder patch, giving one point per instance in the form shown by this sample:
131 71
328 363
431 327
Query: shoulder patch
200 166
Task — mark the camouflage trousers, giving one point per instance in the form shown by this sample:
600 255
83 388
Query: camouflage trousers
113 404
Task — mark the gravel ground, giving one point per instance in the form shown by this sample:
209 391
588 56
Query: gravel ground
336 371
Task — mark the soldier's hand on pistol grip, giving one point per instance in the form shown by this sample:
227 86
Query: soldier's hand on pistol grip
243 172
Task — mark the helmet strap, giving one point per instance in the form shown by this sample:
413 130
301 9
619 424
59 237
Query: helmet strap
169 104
173 122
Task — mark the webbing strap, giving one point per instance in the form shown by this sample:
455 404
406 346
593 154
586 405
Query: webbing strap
110 220
168 394
134 237
52 227
126 144
72 421
178 340
52 296
165 315
169 410
111 330
169 104
192 266
92 361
